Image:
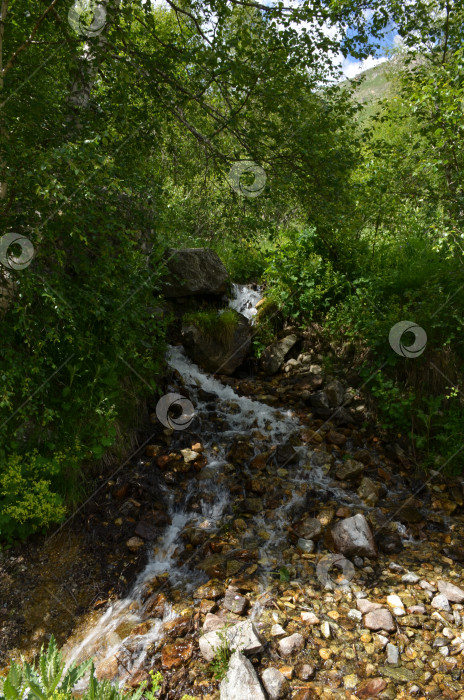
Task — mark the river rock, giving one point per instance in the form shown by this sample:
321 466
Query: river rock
193 271
451 592
335 393
235 602
309 528
381 619
275 683
349 470
291 645
369 491
222 355
175 655
353 537
273 356
371 688
241 680
242 637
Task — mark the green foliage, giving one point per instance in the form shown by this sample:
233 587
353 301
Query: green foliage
284 574
303 283
44 680
218 325
220 664
47 680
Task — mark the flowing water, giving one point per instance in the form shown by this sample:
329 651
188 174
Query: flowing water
125 631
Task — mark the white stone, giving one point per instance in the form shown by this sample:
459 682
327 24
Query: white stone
452 592
410 577
241 680
277 631
440 602
354 615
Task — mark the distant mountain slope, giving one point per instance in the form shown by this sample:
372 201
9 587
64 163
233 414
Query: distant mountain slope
373 85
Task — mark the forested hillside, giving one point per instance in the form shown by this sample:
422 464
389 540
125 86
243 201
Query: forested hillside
131 130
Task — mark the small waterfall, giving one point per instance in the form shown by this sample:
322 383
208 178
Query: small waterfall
244 300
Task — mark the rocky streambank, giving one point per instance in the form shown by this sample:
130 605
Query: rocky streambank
279 546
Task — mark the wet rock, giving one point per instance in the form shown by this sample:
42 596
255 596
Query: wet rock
305 546
401 675
286 454
193 271
304 672
175 655
241 680
274 355
145 530
218 354
393 654
275 683
371 688
134 544
252 505
409 514
319 400
155 606
335 393
291 645
210 590
366 606
353 537
453 593
107 669
177 627
234 602
381 619
309 528
336 438
241 451
309 618
369 491
241 637
389 542
349 470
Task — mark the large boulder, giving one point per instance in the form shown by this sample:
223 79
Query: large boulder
274 354
194 271
216 352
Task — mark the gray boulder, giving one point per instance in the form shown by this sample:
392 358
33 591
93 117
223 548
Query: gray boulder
274 354
353 537
216 354
193 271
241 681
